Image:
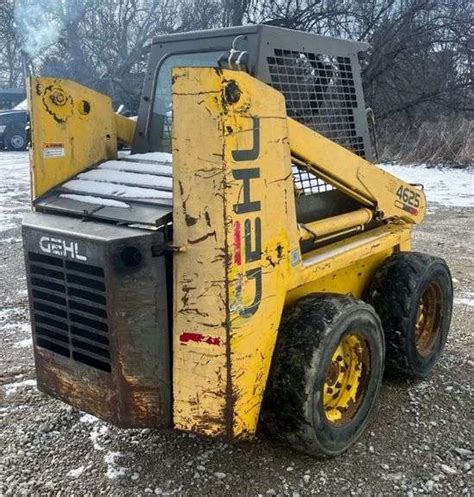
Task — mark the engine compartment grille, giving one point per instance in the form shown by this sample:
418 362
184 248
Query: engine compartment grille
69 309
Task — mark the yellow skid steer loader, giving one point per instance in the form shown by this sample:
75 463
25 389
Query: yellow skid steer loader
246 266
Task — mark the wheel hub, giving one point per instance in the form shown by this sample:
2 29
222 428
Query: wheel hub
428 319
346 379
17 141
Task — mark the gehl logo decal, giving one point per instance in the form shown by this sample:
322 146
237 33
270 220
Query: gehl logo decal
63 248
252 228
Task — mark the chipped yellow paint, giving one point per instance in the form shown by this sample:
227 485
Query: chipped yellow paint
218 388
125 128
238 260
232 185
72 128
199 281
346 267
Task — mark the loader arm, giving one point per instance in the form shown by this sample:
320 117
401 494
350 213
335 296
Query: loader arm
386 195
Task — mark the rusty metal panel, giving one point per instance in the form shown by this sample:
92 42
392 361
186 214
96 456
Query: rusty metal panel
98 304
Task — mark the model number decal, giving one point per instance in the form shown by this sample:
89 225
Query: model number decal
63 248
408 196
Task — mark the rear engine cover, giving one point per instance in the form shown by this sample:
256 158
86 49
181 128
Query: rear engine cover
98 303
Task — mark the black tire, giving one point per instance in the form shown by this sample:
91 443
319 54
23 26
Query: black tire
403 282
15 140
310 332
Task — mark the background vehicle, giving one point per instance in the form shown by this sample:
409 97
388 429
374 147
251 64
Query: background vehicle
245 264
9 97
12 127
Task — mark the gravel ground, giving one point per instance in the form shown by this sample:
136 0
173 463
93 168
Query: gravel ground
420 441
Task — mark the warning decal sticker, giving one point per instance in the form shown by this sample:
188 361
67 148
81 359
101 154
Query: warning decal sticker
52 150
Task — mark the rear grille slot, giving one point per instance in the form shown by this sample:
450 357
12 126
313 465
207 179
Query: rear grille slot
74 279
53 346
83 295
52 261
46 321
70 309
41 283
91 348
48 309
91 361
75 330
53 335
88 322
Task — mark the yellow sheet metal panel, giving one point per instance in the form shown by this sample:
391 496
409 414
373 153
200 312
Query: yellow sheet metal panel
337 256
72 128
234 214
349 275
238 241
200 300
125 128
265 239
357 177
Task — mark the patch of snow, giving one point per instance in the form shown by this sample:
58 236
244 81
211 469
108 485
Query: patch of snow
6 411
154 156
5 314
466 299
11 239
18 328
23 344
14 187
106 202
11 388
113 469
75 473
95 434
88 418
100 188
137 167
122 177
449 187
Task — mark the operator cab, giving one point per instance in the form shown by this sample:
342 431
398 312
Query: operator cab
319 77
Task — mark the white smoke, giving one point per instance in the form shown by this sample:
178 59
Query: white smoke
41 23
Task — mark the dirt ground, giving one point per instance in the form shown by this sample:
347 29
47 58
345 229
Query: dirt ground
420 441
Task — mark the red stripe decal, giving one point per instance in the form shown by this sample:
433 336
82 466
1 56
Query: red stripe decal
198 338
237 244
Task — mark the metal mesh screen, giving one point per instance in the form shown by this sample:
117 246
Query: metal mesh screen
307 183
320 92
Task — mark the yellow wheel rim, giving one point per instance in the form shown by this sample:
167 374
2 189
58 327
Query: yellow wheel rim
346 379
428 319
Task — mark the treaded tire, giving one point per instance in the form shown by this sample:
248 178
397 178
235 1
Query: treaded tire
395 292
309 334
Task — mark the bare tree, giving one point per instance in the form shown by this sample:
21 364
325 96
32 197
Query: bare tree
11 73
419 67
